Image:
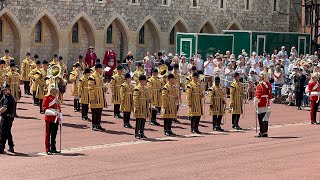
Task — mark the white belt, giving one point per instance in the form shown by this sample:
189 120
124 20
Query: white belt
314 93
264 96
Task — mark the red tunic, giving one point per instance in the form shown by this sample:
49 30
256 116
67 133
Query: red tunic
110 61
46 105
91 59
264 93
313 87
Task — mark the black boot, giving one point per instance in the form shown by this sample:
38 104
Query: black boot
75 105
197 125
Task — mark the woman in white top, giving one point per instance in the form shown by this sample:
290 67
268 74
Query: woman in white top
208 72
240 69
191 64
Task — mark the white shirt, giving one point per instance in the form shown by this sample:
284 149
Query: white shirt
209 69
183 68
267 63
199 64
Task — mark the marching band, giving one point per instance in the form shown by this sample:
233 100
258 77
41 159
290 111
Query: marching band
146 97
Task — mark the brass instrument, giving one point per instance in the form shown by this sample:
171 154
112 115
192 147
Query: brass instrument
203 92
163 70
52 73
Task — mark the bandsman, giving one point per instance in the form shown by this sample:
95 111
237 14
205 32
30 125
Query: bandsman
126 95
189 78
154 84
63 75
314 95
34 83
141 107
138 72
96 97
169 105
262 102
83 65
26 67
84 94
75 76
194 101
236 101
115 71
115 84
52 118
7 58
40 79
177 85
217 104
13 78
54 60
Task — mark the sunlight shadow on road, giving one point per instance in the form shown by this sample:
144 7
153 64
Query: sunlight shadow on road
284 137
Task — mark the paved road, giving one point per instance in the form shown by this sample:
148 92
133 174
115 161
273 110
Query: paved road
290 152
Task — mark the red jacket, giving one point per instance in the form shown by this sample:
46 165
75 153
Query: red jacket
46 105
315 88
264 93
110 61
91 60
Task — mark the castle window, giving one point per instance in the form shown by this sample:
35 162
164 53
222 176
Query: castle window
1 31
166 2
195 3
141 35
109 35
274 5
172 36
247 4
75 33
38 32
221 5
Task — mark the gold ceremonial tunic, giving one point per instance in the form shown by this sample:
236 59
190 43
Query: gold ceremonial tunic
115 85
155 86
40 80
169 101
177 85
126 95
96 91
188 80
82 65
63 72
194 99
140 102
137 74
114 72
13 78
216 96
3 76
7 60
74 78
53 62
83 89
236 97
32 78
26 67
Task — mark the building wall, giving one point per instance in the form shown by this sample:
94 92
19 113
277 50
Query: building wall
96 15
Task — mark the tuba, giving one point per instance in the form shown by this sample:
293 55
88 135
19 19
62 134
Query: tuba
52 74
163 70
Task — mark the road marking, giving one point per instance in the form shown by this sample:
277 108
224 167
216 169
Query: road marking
129 143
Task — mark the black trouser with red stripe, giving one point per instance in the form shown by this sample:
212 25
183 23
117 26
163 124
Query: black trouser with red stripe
140 123
263 124
26 87
84 110
216 120
126 118
195 120
167 124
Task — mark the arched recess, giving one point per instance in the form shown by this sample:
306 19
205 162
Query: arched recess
207 27
48 44
151 37
10 34
179 25
119 36
234 25
85 37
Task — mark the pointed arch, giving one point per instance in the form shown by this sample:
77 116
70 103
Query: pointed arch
154 23
148 38
234 25
82 38
11 28
180 22
45 13
208 25
120 31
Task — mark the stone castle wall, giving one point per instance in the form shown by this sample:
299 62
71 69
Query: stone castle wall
95 16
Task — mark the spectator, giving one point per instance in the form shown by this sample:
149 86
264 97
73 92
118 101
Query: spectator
200 62
278 83
208 72
282 53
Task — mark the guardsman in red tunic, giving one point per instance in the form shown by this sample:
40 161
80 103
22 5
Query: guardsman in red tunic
314 92
52 118
110 61
262 103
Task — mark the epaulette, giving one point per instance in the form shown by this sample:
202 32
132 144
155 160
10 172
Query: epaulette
210 89
112 78
189 86
136 89
91 78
